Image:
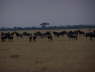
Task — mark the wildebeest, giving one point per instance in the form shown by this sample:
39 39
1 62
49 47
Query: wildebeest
48 35
38 35
79 32
72 35
3 37
90 35
18 35
58 34
26 34
31 37
6 36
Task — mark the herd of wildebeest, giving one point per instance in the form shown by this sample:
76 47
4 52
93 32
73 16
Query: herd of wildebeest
72 34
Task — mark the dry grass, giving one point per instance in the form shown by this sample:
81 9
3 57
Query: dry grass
59 55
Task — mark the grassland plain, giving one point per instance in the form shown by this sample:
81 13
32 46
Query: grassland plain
59 55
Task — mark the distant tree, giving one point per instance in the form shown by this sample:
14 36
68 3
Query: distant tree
44 24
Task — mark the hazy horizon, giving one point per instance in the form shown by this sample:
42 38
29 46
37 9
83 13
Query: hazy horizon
27 13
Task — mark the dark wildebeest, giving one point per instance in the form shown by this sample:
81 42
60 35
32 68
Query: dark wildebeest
72 35
6 36
90 35
26 34
79 32
37 35
33 37
3 36
18 35
58 34
48 35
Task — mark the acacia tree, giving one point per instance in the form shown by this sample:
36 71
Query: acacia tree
44 24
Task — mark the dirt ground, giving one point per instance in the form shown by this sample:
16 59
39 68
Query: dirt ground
59 55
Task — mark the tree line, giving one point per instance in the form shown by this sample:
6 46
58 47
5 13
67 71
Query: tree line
49 27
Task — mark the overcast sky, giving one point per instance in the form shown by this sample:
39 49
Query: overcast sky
57 12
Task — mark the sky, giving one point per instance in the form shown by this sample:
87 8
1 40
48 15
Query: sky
56 12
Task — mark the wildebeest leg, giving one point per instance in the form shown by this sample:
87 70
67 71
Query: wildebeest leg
50 38
30 39
34 38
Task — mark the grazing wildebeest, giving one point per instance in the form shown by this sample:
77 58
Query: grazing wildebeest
26 34
6 36
48 35
11 37
37 35
3 37
90 35
58 34
72 35
32 38
18 35
79 32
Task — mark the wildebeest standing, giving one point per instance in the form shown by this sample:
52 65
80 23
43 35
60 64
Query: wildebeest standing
90 35
6 36
72 35
32 38
58 34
